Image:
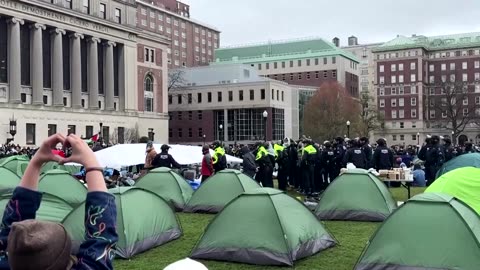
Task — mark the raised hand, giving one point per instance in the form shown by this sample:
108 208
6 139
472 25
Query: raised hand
44 153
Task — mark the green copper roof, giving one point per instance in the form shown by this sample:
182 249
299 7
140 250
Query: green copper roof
433 43
280 51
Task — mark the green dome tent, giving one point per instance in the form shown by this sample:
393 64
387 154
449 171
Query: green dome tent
16 164
8 179
462 183
219 190
467 160
62 184
263 227
55 166
429 231
144 221
167 184
52 208
356 195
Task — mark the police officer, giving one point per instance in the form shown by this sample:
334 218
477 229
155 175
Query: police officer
219 158
265 166
327 160
434 159
356 156
281 159
164 159
448 149
339 150
383 156
308 161
367 149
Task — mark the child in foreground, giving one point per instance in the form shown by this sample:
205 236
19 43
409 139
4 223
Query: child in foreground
26 243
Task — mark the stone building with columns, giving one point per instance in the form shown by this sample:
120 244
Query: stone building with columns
71 66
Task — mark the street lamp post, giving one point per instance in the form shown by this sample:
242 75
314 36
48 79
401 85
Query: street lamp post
221 129
13 127
101 133
265 117
348 129
418 138
453 138
204 137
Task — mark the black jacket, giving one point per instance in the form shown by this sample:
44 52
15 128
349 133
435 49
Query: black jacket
356 156
383 158
249 165
327 158
164 159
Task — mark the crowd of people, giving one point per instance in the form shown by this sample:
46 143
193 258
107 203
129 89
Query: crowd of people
309 167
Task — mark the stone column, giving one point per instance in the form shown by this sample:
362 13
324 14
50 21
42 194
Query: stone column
14 64
92 63
76 70
109 77
121 78
57 66
36 58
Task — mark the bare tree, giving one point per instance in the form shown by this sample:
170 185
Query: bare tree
456 105
370 118
176 79
129 135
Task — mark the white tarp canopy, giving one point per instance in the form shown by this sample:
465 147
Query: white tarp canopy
122 155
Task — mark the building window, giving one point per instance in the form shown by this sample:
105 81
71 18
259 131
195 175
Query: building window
382 68
30 131
334 74
170 99
52 129
465 112
444 67
230 96
465 101
477 100
464 77
308 62
381 92
148 93
402 125
209 97
189 98
291 63
283 96
432 114
219 96
199 98
393 67
118 16
71 129
334 60
393 102
273 94
464 65
252 94
199 115
180 133
431 68
86 6
299 76
382 80
394 79
382 103
400 78
299 63
400 67
393 91
394 138
431 79
401 114
394 114
413 66
413 101
179 99
262 94
413 113
190 115
402 137
267 65
401 102
103 11
413 77
179 115
240 95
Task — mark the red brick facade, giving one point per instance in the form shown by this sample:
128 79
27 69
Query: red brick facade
198 126
351 84
192 44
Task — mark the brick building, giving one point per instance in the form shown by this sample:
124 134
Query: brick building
192 43
411 74
227 103
308 62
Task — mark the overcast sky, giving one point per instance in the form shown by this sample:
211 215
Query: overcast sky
249 21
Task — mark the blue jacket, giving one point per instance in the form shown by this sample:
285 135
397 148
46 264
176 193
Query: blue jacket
96 252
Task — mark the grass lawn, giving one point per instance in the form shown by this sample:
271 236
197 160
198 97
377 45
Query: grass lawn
352 237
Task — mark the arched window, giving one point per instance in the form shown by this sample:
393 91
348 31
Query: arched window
148 93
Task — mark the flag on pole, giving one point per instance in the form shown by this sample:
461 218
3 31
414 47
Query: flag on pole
95 137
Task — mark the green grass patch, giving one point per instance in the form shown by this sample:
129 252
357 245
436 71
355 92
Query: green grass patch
352 237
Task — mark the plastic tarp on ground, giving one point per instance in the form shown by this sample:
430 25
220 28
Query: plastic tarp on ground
16 164
467 160
263 227
356 195
219 190
462 183
52 208
167 184
431 231
62 184
123 155
144 221
8 179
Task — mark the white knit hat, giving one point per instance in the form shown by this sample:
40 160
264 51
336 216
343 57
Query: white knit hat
186 264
